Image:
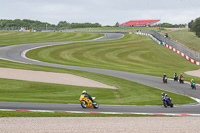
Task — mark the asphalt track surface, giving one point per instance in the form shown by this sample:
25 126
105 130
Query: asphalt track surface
16 53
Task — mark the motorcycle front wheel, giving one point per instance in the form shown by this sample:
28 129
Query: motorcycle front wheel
95 104
84 104
165 104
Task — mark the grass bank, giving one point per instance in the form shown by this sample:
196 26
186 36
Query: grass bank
187 38
133 53
19 37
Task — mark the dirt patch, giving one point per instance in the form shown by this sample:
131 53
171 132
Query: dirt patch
50 77
193 73
4 34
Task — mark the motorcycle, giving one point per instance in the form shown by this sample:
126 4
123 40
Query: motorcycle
165 80
181 80
168 102
175 78
193 86
86 102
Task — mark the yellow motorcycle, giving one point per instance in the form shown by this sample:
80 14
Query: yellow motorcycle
86 102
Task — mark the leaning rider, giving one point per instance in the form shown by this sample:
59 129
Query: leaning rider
175 74
163 96
192 81
164 76
88 95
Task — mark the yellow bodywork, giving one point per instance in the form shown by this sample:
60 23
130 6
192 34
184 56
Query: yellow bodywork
84 98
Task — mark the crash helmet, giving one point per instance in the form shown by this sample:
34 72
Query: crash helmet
84 92
166 95
163 94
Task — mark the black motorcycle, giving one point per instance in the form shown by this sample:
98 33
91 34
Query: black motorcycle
168 102
175 78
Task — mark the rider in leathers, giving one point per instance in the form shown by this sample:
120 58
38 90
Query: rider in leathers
88 95
164 77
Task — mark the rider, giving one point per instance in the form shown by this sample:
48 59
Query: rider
175 75
192 81
88 95
163 96
164 76
181 76
166 97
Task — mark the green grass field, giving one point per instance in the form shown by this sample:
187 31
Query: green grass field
129 93
133 53
187 38
17 37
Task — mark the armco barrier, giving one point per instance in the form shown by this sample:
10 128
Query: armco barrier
187 51
170 47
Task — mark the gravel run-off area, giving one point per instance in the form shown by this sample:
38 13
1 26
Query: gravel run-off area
193 73
100 125
50 77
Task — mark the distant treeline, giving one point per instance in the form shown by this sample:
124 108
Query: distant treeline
168 25
34 23
194 26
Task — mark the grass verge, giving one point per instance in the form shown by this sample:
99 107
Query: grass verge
187 38
36 114
19 37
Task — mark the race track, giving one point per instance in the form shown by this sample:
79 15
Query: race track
17 53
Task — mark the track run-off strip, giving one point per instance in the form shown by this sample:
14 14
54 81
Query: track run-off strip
114 113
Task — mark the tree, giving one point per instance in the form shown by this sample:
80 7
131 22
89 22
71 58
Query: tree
197 27
117 24
191 25
63 24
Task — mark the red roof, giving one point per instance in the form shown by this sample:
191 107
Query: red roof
140 22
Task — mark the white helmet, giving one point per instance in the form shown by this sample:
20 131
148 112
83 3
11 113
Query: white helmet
84 92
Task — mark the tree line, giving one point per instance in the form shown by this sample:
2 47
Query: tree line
194 26
35 23
168 25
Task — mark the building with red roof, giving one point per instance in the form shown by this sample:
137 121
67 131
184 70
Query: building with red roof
139 23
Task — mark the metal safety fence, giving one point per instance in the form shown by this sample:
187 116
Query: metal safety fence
189 52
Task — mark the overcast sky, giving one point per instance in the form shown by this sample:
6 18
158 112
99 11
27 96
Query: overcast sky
105 12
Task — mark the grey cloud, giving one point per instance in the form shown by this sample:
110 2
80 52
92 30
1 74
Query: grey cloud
106 12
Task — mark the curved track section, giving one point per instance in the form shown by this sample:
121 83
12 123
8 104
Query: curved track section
16 53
